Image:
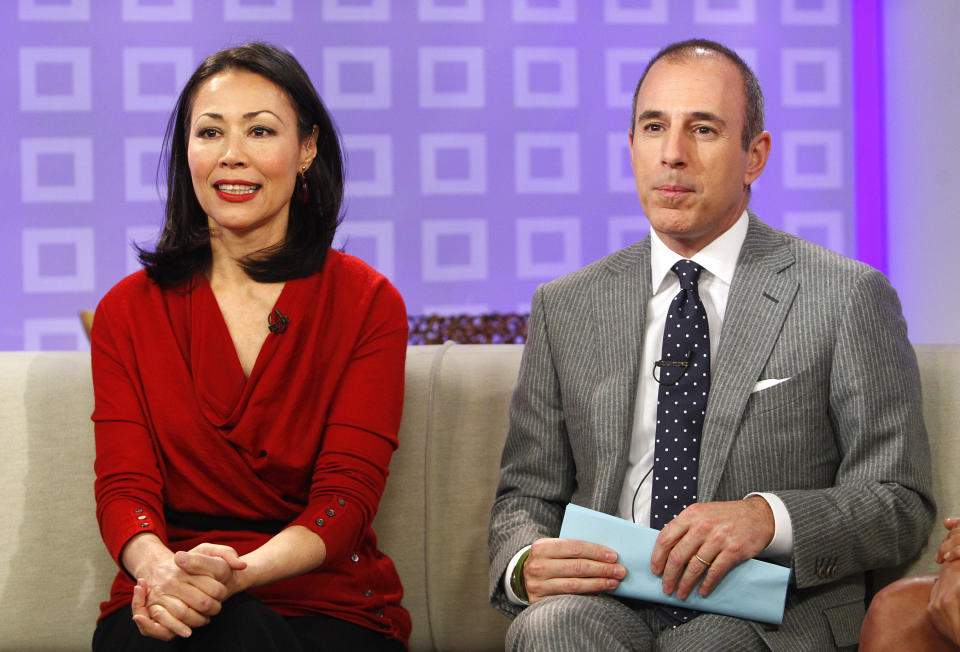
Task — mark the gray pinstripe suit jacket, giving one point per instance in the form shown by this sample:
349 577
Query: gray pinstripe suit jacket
842 443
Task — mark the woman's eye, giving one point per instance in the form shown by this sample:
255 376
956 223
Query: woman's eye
207 133
261 131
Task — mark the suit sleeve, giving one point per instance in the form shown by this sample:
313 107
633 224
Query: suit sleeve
537 471
880 508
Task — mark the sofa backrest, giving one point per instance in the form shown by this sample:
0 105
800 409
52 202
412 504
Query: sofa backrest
940 382
433 519
435 511
54 569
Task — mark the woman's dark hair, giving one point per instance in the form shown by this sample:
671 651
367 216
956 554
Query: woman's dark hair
184 245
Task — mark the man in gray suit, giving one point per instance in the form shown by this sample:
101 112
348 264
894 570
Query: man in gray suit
812 447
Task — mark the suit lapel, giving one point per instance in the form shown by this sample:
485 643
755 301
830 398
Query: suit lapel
761 296
619 305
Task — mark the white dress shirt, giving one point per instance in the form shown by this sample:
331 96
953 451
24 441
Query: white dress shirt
719 261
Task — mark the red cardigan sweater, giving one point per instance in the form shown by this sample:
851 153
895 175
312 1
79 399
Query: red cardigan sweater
306 439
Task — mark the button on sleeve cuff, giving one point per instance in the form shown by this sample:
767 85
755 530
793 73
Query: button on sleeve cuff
126 520
337 521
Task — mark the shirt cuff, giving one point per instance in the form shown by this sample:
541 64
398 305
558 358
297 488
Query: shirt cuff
511 596
780 548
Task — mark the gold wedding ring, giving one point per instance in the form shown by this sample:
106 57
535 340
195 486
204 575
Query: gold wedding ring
702 560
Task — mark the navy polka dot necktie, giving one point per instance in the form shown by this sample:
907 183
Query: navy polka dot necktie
684 376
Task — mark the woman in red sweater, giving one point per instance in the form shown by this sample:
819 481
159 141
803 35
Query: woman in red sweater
248 383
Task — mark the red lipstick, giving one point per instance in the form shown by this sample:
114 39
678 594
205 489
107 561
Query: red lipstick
236 190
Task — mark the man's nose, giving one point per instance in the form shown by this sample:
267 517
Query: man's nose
674 153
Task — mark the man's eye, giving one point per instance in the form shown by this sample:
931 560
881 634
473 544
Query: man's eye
654 127
703 131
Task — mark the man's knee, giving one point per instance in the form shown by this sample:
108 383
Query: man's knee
546 615
568 622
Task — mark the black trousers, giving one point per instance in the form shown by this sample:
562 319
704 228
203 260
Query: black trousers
246 625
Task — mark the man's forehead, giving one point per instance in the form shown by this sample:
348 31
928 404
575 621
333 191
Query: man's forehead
706 83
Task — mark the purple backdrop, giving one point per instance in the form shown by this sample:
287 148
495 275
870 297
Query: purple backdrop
486 140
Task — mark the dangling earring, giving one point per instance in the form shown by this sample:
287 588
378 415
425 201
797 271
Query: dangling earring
303 190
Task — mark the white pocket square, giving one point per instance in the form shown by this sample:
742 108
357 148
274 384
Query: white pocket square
767 383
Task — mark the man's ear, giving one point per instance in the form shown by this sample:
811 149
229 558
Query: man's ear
757 155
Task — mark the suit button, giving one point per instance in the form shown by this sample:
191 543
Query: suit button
143 525
319 522
330 512
354 558
138 511
367 593
340 502
142 517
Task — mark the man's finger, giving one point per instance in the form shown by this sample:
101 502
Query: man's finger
571 549
558 566
571 568
697 569
717 571
669 536
679 559
539 590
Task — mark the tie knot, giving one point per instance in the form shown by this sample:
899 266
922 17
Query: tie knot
688 272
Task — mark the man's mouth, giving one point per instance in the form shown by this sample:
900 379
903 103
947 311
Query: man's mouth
672 191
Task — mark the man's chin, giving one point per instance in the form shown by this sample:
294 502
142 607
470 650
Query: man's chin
669 219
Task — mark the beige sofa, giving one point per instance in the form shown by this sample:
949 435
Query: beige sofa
432 521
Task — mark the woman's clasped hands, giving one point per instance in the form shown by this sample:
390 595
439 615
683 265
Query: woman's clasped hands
178 592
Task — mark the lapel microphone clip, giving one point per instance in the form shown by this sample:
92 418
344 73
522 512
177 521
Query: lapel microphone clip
279 324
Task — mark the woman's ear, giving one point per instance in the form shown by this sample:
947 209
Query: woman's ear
308 148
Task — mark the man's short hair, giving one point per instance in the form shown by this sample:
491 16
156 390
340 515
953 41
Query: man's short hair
687 50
